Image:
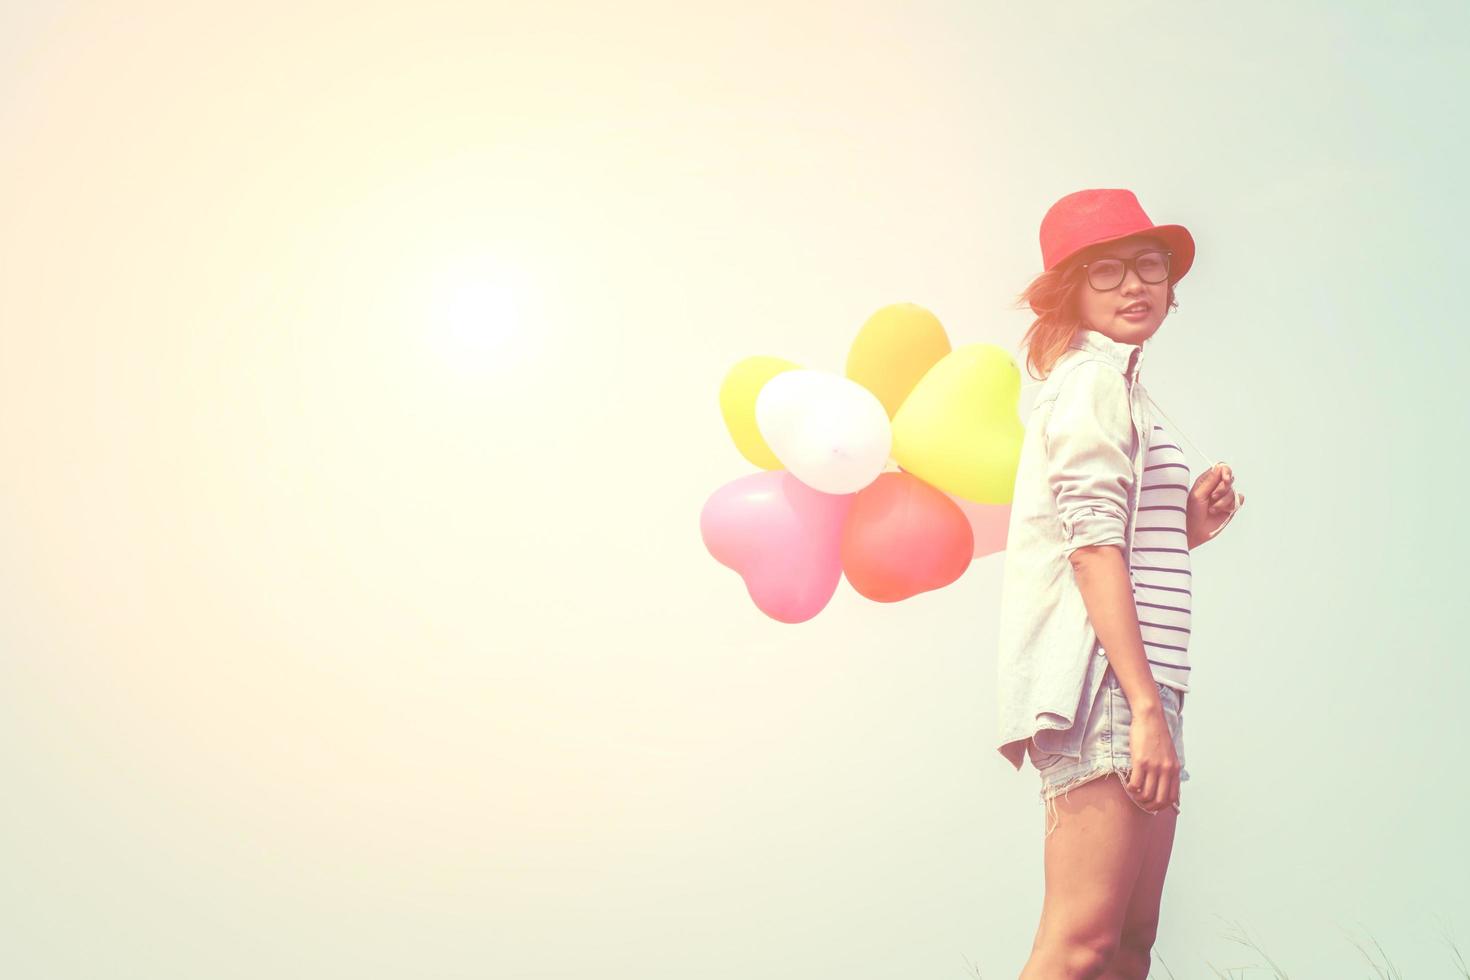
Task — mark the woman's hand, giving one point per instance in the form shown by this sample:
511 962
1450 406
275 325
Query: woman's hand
1154 781
1212 503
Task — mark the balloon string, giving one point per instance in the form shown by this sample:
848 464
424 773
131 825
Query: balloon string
1178 431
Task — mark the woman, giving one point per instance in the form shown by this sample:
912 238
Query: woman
1094 624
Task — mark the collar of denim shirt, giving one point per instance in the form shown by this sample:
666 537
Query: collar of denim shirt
1117 353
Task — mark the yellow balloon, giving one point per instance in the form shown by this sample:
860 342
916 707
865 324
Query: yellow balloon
960 428
893 350
737 405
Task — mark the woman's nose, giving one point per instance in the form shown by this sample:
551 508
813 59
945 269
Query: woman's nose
1132 282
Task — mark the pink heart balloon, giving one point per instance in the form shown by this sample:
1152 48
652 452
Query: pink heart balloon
783 537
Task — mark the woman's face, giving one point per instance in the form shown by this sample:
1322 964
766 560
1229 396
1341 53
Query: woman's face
1103 310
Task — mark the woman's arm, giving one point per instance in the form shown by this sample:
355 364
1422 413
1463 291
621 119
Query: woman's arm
1089 439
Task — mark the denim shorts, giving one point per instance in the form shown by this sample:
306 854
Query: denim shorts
1105 745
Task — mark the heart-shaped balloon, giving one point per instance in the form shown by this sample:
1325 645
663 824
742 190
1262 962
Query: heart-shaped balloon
783 538
829 431
960 429
904 537
893 350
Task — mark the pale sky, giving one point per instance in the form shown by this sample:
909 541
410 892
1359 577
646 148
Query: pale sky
359 396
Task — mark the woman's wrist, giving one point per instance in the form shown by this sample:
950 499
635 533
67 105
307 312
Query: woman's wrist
1149 706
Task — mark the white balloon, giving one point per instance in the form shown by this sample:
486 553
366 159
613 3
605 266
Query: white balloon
830 432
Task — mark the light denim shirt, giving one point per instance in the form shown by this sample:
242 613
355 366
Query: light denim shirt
1077 484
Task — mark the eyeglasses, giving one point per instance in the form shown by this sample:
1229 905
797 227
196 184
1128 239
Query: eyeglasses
1105 274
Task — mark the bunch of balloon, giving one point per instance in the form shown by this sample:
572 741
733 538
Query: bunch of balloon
896 475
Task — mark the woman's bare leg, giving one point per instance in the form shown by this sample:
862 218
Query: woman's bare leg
1141 922
1094 859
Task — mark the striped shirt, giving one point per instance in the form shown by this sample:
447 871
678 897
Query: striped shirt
1159 565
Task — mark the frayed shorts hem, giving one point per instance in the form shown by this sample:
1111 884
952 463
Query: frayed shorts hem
1063 782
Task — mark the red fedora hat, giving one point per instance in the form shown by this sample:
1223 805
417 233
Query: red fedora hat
1093 217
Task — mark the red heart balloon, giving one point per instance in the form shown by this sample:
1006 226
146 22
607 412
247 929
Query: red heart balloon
902 537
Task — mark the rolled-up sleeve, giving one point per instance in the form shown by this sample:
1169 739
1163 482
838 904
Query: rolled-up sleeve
1089 456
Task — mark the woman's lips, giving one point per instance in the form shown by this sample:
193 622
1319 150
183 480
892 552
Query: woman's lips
1137 314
